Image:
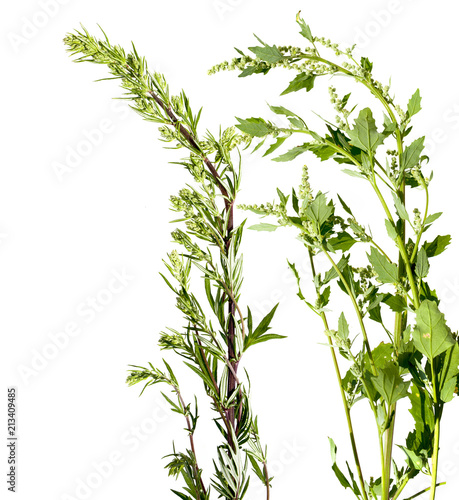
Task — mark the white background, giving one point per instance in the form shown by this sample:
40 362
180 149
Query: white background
62 238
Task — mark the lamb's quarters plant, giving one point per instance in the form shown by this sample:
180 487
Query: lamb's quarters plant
215 335
419 357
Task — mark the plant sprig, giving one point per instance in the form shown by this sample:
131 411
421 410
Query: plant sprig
215 335
420 360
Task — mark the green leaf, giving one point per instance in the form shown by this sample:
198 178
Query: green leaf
396 302
422 264
449 389
280 110
256 127
354 173
263 226
319 210
260 335
411 154
331 274
298 279
292 154
341 477
414 104
345 207
366 64
365 135
432 218
322 151
301 81
400 207
449 379
277 144
305 29
387 271
413 460
270 54
437 246
344 241
421 408
431 335
343 327
419 442
382 356
390 228
390 384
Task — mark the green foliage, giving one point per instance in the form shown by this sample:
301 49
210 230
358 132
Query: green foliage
431 335
390 384
414 104
365 135
300 82
420 357
387 271
215 334
421 353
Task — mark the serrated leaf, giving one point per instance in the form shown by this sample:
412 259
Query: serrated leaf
387 271
411 154
365 135
331 274
431 335
263 226
343 327
345 207
422 264
292 153
305 29
396 302
273 147
319 210
449 379
390 228
270 54
341 477
322 151
256 127
354 173
344 241
414 104
280 110
432 218
301 81
390 384
421 408
419 442
413 460
366 64
400 207
437 246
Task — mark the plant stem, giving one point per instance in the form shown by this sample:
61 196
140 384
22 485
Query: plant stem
400 243
356 308
436 444
343 394
229 208
265 472
191 436
435 458
418 239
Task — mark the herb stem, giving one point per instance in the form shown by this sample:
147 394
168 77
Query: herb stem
436 444
356 308
191 437
418 239
343 394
